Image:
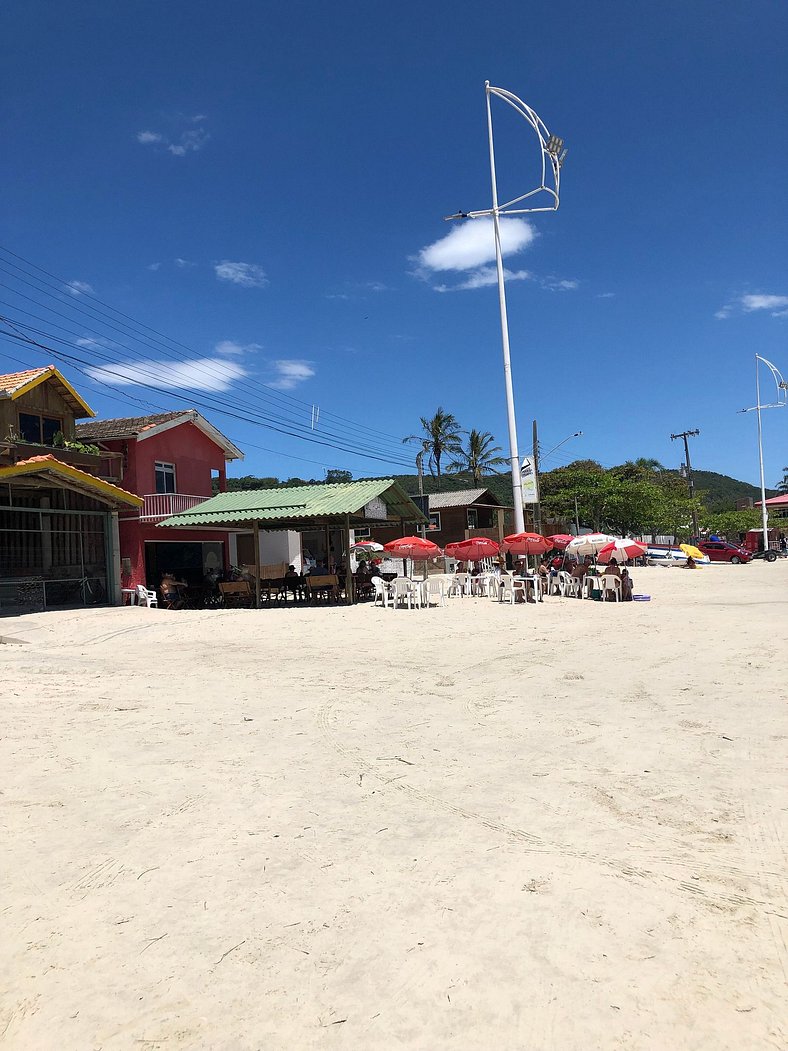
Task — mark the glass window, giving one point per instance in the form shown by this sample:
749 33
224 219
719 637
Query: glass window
40 431
435 520
165 478
473 518
49 428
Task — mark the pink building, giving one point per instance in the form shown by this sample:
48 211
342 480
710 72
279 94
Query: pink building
171 460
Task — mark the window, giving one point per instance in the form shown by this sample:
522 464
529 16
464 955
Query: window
435 520
361 532
165 478
40 430
473 518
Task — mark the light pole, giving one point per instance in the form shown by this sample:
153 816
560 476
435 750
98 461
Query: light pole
552 156
782 394
537 456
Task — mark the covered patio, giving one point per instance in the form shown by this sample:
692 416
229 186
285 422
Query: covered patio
333 508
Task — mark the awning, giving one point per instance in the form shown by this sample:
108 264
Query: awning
368 502
48 470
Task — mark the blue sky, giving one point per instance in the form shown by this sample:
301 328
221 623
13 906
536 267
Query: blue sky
258 182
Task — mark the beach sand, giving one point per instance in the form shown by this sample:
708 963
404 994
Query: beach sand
480 827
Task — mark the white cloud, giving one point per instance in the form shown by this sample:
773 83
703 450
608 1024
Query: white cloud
183 264
472 244
554 285
189 142
605 295
91 344
290 373
183 140
248 275
229 346
79 288
755 302
153 266
751 302
484 276
214 374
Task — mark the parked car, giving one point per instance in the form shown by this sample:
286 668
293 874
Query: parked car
721 551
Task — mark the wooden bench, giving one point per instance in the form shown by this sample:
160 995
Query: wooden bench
327 584
236 594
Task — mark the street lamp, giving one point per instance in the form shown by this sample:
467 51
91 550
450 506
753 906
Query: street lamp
782 395
552 155
569 437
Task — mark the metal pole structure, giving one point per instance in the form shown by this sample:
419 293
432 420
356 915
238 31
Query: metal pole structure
537 505
420 468
782 398
256 541
764 511
552 157
514 456
577 519
690 481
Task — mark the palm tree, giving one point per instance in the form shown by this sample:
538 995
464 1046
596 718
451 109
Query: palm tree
479 456
782 487
441 434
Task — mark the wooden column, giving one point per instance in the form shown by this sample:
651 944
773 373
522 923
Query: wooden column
256 534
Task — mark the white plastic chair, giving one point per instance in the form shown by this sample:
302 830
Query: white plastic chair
436 588
406 590
611 587
569 585
382 592
146 597
554 585
509 589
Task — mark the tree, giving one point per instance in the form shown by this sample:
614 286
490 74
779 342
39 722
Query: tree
335 475
782 487
440 435
478 457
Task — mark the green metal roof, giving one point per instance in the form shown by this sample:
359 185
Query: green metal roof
298 504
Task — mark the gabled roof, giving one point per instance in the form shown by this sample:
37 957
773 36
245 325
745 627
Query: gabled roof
14 384
461 498
298 504
775 501
141 427
54 470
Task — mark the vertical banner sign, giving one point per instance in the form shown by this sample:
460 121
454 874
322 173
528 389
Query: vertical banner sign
530 494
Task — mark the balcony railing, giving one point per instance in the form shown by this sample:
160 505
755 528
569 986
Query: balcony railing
164 505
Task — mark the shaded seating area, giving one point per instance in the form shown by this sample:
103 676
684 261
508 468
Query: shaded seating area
337 508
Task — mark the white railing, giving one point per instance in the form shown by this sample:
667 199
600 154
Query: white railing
164 505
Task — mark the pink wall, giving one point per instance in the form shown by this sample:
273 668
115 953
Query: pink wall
193 453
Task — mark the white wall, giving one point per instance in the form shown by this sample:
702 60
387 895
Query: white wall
281 546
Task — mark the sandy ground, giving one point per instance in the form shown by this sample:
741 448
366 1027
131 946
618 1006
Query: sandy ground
480 827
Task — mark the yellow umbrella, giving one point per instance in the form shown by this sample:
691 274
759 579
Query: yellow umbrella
692 552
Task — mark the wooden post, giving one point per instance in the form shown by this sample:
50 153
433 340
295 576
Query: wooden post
328 547
348 567
256 565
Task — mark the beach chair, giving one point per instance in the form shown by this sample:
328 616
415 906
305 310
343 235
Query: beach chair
406 590
382 592
146 597
569 585
509 589
436 589
554 585
611 587
236 594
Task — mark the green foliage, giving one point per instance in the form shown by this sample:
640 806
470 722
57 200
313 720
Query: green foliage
335 476
60 441
478 457
731 523
782 487
441 435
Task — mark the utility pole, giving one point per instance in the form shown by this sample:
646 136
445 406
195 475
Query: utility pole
420 466
690 482
537 505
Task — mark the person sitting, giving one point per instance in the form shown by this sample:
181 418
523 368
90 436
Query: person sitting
690 563
611 570
293 583
170 588
374 570
626 585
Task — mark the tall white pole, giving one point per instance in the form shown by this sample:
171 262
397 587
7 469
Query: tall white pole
517 480
764 511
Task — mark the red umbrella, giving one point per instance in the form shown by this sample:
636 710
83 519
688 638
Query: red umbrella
560 540
526 544
472 550
621 550
412 547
